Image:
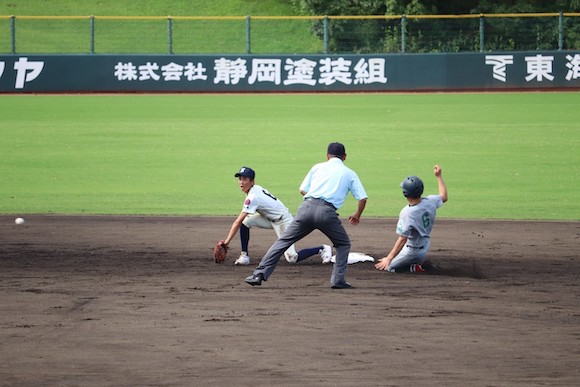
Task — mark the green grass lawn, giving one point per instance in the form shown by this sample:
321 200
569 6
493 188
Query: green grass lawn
151 35
147 7
504 156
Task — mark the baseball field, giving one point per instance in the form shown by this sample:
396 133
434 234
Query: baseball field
110 282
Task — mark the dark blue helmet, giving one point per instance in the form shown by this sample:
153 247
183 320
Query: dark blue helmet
412 187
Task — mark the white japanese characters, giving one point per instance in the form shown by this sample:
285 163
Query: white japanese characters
262 70
573 66
538 67
499 63
26 71
149 71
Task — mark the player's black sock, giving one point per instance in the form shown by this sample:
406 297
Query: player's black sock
307 253
244 237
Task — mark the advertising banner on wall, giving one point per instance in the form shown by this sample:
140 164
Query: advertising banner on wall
290 73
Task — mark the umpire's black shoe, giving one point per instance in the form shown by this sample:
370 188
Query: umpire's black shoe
342 285
255 279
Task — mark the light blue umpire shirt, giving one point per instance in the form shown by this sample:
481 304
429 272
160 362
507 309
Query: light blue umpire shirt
331 181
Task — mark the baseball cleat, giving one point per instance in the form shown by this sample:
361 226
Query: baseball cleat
326 253
244 259
293 258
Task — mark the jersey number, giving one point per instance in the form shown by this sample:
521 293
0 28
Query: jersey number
426 220
269 194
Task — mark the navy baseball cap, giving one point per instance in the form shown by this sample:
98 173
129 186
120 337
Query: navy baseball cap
336 148
247 172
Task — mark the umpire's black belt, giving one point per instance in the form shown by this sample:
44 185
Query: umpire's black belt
321 202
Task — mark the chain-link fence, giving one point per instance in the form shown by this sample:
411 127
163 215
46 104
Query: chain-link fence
289 34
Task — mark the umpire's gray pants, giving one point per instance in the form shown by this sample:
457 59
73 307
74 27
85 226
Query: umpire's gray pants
312 214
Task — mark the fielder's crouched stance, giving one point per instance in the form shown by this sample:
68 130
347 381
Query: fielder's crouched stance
264 210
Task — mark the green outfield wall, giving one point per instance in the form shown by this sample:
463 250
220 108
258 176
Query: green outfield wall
537 70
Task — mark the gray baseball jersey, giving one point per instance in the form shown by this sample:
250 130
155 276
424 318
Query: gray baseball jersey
416 222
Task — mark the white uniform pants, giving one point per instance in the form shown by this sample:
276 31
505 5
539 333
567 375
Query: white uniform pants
279 226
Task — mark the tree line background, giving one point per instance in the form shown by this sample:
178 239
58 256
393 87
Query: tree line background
443 35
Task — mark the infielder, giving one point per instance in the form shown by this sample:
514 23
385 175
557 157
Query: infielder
414 227
264 210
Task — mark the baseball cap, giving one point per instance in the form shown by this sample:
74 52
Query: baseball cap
336 148
247 172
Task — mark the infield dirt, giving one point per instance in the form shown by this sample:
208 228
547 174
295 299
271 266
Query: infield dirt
138 301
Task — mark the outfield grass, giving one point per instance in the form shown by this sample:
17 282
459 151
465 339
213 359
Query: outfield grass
504 156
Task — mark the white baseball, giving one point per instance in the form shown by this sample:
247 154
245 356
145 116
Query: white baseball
19 221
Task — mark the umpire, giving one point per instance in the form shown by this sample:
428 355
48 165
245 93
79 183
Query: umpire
324 188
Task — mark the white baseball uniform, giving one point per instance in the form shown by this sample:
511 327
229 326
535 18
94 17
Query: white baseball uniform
267 211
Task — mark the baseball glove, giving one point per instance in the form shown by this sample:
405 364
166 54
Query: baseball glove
220 252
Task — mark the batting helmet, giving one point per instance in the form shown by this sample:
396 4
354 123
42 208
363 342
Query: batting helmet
412 187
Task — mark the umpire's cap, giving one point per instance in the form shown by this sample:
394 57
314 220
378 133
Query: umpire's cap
336 149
